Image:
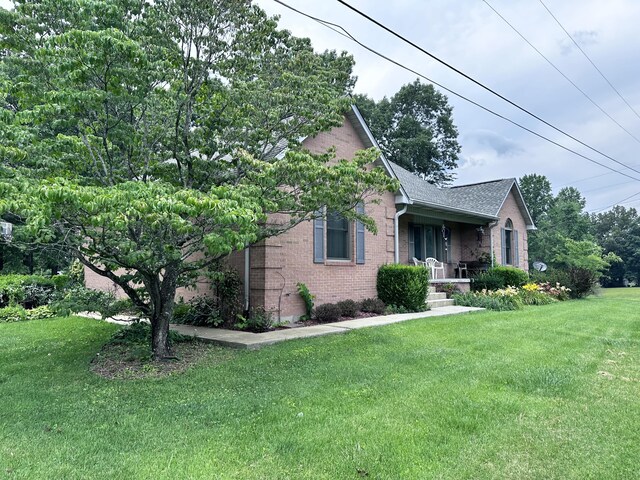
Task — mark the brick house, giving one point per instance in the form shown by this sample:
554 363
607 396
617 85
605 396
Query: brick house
339 260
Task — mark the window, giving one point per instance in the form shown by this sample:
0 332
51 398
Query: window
508 242
338 237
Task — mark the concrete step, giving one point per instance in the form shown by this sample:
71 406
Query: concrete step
440 303
436 296
432 290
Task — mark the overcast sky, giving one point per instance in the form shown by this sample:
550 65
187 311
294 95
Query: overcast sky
470 36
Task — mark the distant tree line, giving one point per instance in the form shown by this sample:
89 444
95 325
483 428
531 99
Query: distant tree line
565 231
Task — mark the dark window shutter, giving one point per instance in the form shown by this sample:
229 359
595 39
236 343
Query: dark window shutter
516 253
412 243
503 244
318 238
360 235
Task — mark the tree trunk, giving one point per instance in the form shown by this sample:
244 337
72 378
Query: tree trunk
163 294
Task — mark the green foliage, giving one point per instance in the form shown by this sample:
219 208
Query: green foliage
394 309
372 305
307 298
415 130
448 288
403 286
348 308
511 276
536 190
40 313
136 338
327 312
227 286
618 231
80 299
140 136
259 320
29 291
200 311
15 313
477 299
535 297
489 280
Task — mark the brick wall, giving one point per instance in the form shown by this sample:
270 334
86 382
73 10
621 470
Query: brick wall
510 210
281 262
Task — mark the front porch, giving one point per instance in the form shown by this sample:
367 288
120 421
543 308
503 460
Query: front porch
462 244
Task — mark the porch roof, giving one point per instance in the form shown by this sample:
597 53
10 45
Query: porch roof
480 200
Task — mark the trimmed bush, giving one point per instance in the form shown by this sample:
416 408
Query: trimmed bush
512 276
403 286
372 305
327 312
12 314
348 308
487 281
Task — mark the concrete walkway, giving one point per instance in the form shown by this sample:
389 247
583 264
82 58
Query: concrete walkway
252 341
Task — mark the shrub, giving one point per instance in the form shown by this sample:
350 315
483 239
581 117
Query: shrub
227 286
512 276
29 291
582 281
490 302
328 312
393 309
80 299
15 313
40 313
488 280
199 311
404 286
348 308
259 320
372 305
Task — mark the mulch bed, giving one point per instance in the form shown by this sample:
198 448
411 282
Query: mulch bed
128 362
310 323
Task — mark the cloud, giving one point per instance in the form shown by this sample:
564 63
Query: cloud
583 38
486 138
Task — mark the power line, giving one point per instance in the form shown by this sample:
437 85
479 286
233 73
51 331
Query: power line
561 72
480 84
614 204
343 32
589 58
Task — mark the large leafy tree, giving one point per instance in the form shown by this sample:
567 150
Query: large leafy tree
536 190
415 129
146 137
618 231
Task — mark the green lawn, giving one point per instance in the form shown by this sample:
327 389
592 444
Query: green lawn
548 392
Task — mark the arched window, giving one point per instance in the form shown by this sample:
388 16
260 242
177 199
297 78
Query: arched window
507 243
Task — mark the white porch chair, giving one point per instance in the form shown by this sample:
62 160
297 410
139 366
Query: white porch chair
419 263
435 266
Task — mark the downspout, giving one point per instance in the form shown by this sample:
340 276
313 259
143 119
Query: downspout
396 234
247 271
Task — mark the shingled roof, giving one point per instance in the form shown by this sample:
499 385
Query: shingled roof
483 199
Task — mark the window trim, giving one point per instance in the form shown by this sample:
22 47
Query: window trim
349 234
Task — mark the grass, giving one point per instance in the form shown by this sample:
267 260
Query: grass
546 392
